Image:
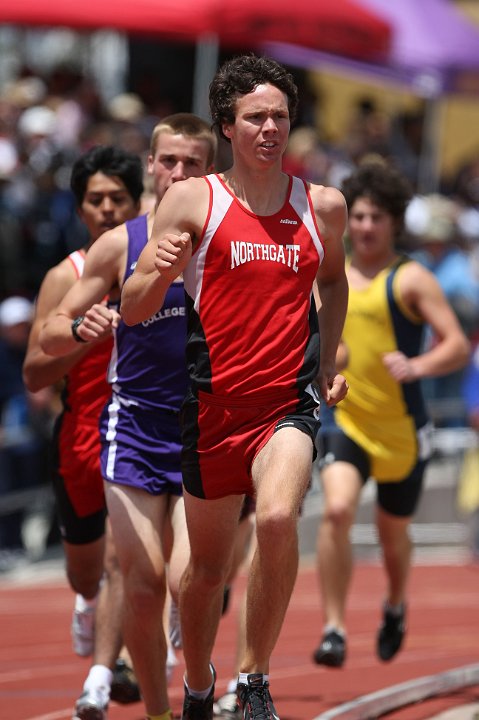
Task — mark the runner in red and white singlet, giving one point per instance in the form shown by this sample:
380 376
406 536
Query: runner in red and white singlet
248 267
251 243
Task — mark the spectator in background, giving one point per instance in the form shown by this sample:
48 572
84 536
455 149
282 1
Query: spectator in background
465 184
12 268
23 448
369 131
406 142
40 192
37 196
471 391
468 222
305 157
43 122
468 490
432 224
76 103
311 159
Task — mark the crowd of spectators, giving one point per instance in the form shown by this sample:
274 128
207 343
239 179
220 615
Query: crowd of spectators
47 122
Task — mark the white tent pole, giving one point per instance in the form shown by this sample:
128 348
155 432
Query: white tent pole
107 61
428 166
206 63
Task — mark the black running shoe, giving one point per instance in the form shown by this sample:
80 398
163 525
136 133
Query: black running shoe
196 709
124 686
331 651
391 634
255 699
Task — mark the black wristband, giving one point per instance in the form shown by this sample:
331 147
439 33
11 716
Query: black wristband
77 321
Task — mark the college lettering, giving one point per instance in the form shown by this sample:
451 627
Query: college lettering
243 252
163 314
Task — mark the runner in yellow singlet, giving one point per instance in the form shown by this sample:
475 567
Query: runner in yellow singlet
382 428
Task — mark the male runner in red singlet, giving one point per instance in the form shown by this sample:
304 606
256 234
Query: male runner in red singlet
251 242
107 183
139 427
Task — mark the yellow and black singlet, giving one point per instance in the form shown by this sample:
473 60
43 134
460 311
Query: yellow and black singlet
381 415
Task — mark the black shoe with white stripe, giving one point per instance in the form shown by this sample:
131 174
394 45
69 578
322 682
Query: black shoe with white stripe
332 650
255 699
197 709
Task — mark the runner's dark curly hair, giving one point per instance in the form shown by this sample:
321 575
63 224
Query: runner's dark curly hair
240 76
110 160
383 184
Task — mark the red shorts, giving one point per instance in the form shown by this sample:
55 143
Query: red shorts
78 464
221 441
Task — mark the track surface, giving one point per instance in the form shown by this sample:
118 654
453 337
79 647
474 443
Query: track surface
40 677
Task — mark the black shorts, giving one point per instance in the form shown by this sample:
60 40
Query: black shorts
398 497
77 481
74 529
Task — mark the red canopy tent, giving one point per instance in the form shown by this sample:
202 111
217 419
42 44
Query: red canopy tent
337 26
342 27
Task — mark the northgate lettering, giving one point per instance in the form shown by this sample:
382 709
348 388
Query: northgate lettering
243 252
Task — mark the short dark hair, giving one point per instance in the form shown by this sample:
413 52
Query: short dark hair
383 184
109 160
190 126
240 76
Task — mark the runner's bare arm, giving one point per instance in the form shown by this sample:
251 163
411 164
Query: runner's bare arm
332 284
179 220
39 369
422 294
102 273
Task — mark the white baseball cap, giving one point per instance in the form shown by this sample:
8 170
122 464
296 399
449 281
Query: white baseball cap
15 310
37 120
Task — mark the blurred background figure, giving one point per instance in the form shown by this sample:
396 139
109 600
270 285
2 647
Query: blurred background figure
384 431
438 244
465 184
369 132
468 487
12 269
305 157
25 420
312 158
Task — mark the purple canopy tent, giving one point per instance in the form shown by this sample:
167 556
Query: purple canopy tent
434 51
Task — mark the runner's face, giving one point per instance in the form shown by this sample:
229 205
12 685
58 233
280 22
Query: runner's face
107 203
371 229
177 157
261 128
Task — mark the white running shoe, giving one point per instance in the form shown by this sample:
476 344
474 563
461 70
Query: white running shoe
83 631
174 627
171 662
227 706
92 705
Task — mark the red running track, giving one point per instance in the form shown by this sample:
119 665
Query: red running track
40 677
